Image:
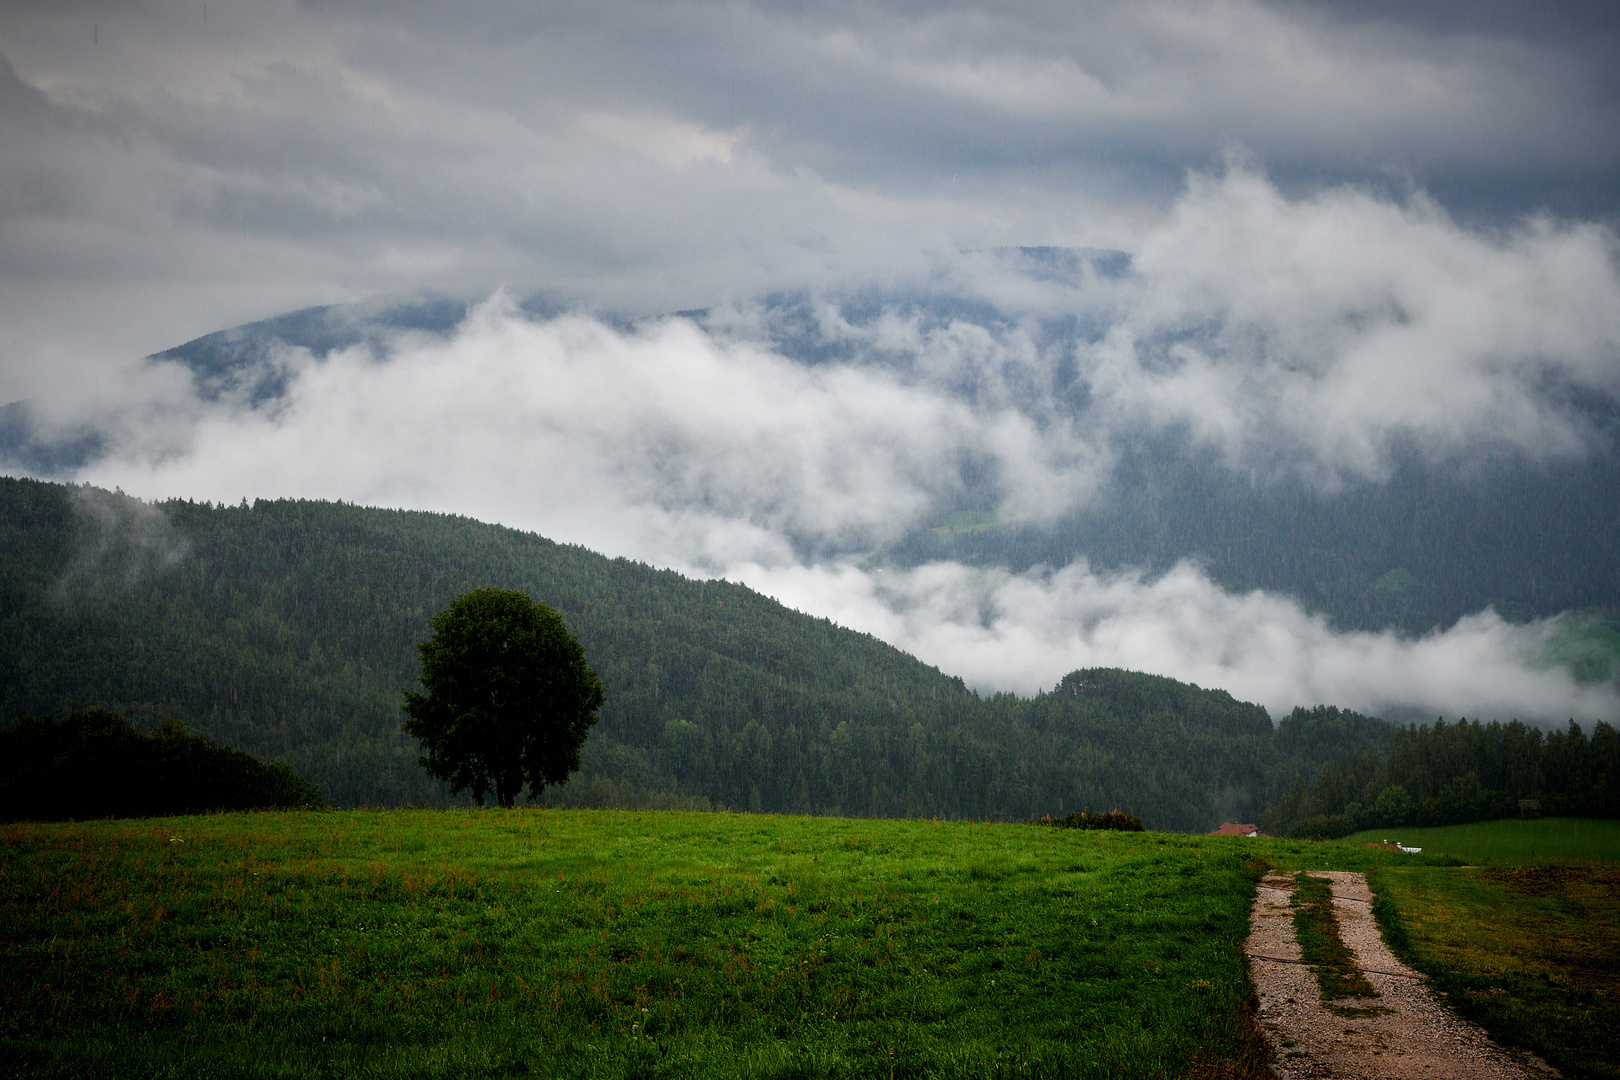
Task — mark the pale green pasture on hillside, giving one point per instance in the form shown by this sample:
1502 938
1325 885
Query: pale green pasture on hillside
1507 843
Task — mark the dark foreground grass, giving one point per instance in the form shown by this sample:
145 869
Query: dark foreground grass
605 944
1532 953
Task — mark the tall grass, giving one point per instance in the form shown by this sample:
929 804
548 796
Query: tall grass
1530 952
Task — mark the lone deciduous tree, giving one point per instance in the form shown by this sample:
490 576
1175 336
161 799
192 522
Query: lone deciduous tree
509 698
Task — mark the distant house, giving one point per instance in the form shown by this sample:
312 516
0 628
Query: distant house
1529 808
1236 828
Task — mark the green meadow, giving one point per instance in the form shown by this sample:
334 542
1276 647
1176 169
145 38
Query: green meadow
471 943
618 944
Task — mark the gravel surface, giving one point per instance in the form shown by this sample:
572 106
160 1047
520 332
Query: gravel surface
1409 1035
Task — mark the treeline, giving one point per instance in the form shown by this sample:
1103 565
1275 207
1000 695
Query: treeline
1449 774
96 764
1108 821
287 629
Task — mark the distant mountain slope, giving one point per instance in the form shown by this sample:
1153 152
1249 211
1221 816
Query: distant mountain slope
287 629
1420 549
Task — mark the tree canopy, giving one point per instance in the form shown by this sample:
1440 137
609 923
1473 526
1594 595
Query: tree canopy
509 697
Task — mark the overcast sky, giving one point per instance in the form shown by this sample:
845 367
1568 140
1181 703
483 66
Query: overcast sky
1386 222
172 167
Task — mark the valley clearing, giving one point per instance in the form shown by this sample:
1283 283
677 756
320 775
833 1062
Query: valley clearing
1355 1011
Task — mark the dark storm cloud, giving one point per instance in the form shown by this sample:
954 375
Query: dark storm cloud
1123 95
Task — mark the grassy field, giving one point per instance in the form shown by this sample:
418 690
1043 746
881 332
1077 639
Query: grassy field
1526 940
616 944
606 944
1532 953
1508 843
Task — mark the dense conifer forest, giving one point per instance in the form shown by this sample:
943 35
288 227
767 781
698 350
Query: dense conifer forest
287 629
1417 551
1448 774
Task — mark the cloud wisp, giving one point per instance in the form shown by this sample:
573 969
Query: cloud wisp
121 542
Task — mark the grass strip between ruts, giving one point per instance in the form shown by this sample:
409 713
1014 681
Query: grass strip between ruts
1317 930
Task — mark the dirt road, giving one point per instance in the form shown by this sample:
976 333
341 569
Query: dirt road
1402 1033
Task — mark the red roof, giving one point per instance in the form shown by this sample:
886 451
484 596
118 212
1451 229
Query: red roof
1236 828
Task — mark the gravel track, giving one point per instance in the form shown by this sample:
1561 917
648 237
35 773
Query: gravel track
1411 1034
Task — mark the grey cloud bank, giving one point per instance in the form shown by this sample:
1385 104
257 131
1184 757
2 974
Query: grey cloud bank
165 176
1355 233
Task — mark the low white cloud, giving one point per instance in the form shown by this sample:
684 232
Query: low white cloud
1023 632
1338 326
663 442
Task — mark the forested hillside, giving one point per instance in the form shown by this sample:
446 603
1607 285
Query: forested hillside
1418 550
287 629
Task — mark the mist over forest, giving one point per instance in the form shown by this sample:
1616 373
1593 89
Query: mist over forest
964 469
777 539
1268 348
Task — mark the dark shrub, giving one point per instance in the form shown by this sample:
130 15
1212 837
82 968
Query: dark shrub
1114 819
96 764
